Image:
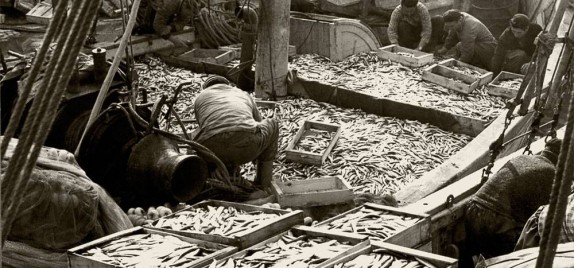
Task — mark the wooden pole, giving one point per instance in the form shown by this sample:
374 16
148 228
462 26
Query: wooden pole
560 71
111 72
272 49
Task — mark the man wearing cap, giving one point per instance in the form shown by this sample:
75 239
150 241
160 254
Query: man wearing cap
498 211
164 17
232 128
411 26
515 45
473 42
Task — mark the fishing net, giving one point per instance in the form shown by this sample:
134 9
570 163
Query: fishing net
15 254
62 208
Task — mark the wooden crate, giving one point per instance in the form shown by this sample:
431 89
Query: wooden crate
76 260
390 53
236 49
411 236
357 240
368 247
40 13
268 105
495 89
314 192
309 157
450 79
216 56
484 79
243 239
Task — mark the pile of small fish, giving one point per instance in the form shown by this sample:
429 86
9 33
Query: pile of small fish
375 154
314 141
266 112
149 250
382 258
377 224
406 54
222 221
289 251
466 70
510 83
367 73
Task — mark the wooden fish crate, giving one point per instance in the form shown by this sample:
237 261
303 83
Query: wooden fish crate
236 49
243 238
216 56
309 128
314 192
495 89
77 260
450 79
40 13
267 108
412 232
419 58
355 241
398 253
484 78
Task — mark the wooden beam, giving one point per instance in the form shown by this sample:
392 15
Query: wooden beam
272 49
143 44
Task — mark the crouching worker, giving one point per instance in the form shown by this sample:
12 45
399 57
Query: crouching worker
231 127
411 26
164 18
515 45
499 210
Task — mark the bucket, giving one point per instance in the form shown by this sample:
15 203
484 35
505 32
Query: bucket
495 14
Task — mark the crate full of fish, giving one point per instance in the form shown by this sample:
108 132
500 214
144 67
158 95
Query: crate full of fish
505 85
323 191
380 254
484 77
449 78
382 223
299 247
141 247
313 143
267 109
405 56
228 223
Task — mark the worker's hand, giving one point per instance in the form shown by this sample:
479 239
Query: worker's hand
178 42
420 48
441 51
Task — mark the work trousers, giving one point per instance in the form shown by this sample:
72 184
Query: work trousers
235 148
514 60
482 57
410 36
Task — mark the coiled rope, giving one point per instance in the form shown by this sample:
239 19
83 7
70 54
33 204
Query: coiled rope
42 113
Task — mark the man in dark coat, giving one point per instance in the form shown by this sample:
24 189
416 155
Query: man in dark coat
515 45
164 17
473 42
498 211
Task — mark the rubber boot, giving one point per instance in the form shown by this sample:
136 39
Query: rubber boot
264 173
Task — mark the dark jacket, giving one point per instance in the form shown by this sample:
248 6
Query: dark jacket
521 186
172 16
508 42
472 35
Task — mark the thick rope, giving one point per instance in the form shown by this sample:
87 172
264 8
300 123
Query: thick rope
34 133
18 110
560 191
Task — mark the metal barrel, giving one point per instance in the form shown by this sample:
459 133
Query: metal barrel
157 171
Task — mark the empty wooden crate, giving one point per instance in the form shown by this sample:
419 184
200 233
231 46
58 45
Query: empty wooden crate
450 79
483 76
228 223
405 56
216 56
382 223
505 85
314 192
313 143
139 247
